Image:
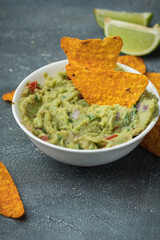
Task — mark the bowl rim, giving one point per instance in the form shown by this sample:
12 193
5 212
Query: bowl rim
81 151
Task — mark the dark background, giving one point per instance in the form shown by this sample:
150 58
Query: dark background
120 200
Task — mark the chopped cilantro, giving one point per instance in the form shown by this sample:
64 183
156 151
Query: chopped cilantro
79 146
70 120
91 117
60 138
36 98
133 113
44 130
126 120
39 86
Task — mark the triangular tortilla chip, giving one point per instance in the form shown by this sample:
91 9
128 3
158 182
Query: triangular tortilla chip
107 87
155 79
133 62
10 202
93 53
8 96
152 140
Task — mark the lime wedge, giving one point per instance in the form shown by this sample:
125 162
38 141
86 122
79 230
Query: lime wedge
132 17
137 40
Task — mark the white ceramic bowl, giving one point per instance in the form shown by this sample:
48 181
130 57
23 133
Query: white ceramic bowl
71 156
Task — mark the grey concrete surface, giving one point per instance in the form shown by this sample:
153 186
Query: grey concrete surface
120 200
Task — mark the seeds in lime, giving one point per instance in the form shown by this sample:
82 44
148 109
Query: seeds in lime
132 17
137 40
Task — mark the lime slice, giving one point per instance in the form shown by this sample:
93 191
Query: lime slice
132 17
137 40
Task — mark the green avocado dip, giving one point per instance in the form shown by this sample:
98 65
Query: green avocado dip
58 114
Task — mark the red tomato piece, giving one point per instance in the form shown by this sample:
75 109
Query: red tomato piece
32 86
44 138
113 136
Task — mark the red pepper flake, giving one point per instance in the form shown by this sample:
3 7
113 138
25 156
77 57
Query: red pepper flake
115 127
113 136
32 86
44 138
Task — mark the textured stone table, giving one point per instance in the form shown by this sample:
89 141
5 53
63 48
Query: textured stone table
120 200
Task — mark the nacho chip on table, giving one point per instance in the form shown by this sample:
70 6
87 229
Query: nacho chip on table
155 79
93 53
102 87
134 62
10 202
152 140
8 96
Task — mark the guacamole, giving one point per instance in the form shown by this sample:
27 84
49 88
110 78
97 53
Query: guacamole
58 114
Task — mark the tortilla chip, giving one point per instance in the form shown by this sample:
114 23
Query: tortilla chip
93 53
8 96
134 62
155 79
152 140
10 202
107 87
